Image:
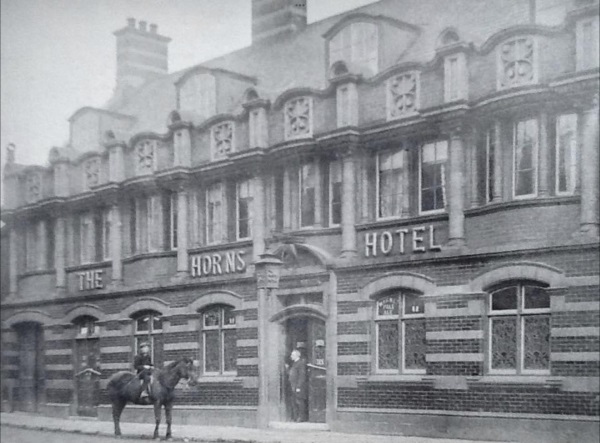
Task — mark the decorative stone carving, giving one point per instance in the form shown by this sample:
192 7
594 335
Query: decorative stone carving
33 190
91 169
145 153
517 59
222 140
403 95
298 118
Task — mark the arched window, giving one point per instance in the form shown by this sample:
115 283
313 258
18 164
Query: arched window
148 328
356 45
218 340
86 326
400 333
519 329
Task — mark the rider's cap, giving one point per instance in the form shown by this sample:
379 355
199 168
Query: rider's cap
144 343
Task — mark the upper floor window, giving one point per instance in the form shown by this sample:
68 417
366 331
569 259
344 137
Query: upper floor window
455 77
525 155
587 44
145 224
222 140
32 243
432 176
357 45
91 172
519 330
517 62
86 326
214 213
298 118
489 141
148 329
33 187
219 340
307 178
343 106
145 157
566 154
393 184
335 192
403 95
172 218
244 209
257 128
198 95
94 236
400 333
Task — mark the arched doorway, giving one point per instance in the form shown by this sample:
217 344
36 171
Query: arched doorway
87 365
30 384
308 335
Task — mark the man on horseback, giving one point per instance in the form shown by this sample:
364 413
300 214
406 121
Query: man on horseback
143 365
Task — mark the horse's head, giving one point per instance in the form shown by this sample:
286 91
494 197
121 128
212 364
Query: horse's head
187 370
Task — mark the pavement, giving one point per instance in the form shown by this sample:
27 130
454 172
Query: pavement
296 433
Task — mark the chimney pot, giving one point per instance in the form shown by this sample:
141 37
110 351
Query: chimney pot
131 22
153 28
142 25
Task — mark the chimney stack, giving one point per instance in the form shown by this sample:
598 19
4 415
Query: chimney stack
141 55
275 18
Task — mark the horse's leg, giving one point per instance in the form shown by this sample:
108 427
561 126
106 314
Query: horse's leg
168 415
117 409
157 413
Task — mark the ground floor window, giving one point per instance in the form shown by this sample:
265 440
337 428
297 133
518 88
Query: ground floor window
219 340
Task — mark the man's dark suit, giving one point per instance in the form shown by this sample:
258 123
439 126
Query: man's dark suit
299 385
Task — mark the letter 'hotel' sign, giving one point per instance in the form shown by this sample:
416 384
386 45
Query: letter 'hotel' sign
204 265
401 241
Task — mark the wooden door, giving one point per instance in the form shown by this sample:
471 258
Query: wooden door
87 376
31 374
317 372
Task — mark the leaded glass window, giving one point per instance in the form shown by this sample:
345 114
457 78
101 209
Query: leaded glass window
403 95
335 192
214 213
434 157
298 118
219 340
307 178
244 209
393 184
525 152
517 63
519 329
222 140
400 333
566 154
149 328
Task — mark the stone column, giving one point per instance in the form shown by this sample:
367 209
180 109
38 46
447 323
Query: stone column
543 156
182 234
182 144
42 249
348 206
287 200
258 213
14 259
589 172
60 252
456 215
116 248
498 161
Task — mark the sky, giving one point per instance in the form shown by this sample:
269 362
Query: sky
57 56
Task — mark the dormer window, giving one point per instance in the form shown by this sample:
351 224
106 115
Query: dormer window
145 157
197 94
587 44
33 190
356 45
222 140
298 118
403 95
455 77
91 171
517 60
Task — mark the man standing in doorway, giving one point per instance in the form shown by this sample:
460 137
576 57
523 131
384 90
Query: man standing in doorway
297 377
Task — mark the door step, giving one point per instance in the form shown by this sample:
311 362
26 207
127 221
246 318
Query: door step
305 426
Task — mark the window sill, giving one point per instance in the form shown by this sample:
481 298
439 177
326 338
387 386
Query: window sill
86 266
538 380
396 378
220 246
219 379
398 221
37 272
145 255
534 201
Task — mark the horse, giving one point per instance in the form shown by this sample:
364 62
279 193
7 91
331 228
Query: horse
124 387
